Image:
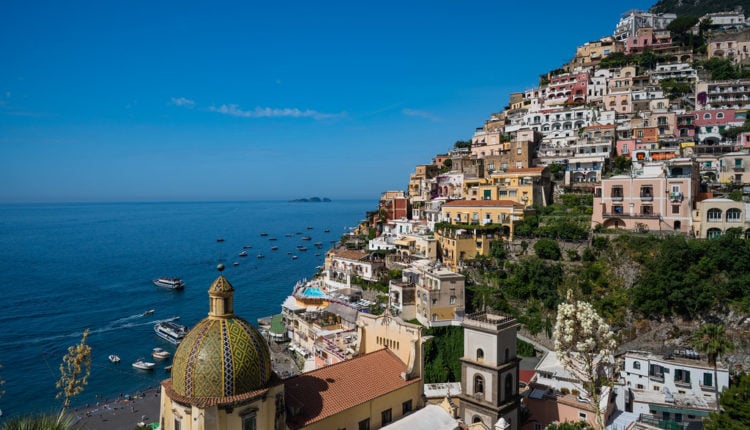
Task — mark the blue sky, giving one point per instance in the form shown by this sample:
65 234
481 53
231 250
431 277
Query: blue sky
175 100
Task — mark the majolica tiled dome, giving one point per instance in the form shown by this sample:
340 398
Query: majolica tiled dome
223 355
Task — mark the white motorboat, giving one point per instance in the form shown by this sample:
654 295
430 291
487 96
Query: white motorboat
160 353
114 358
243 253
142 364
171 283
171 332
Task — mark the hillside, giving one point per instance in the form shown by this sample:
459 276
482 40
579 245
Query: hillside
698 7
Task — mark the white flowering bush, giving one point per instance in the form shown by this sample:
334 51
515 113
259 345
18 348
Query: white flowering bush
586 346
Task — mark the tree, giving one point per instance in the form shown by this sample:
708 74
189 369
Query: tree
74 372
586 347
711 339
39 422
547 249
735 407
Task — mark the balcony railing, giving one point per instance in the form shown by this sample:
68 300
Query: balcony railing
647 197
738 169
627 215
617 198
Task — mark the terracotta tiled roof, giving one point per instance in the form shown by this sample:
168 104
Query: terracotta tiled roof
482 203
525 375
350 254
327 391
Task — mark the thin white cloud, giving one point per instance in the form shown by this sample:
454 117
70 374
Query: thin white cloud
183 102
420 114
266 112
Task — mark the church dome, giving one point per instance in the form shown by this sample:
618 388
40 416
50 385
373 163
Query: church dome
223 355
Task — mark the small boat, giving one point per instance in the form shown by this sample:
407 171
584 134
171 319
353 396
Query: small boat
272 238
160 353
171 283
261 256
289 235
317 254
274 248
243 254
142 364
247 246
309 228
318 244
294 257
168 368
302 248
114 358
171 332
264 234
305 238
148 312
289 253
221 239
326 231
235 264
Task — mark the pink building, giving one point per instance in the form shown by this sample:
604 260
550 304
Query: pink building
711 122
654 197
647 38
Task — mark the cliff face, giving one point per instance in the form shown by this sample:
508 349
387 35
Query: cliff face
698 7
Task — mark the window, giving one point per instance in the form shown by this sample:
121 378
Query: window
720 115
675 209
582 415
478 384
480 354
617 192
681 376
385 417
647 210
452 300
507 354
537 426
364 424
706 116
248 422
708 380
177 424
733 215
406 407
713 233
714 214
637 365
624 149
617 209
647 192
508 388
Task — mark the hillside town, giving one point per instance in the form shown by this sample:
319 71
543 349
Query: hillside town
637 122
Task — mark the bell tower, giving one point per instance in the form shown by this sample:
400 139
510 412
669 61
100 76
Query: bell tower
489 370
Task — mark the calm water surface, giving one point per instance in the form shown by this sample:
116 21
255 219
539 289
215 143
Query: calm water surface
68 267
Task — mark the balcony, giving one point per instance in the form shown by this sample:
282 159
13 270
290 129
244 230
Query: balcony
617 197
647 197
738 169
675 197
633 216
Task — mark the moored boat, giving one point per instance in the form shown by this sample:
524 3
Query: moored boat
160 353
114 358
171 283
261 256
142 364
305 238
171 332
274 248
264 234
243 254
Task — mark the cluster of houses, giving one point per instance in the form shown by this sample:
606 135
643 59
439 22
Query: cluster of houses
362 371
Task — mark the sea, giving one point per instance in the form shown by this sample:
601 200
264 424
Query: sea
65 268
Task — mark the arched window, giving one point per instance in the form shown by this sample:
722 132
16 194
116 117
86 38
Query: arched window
478 384
507 354
713 233
476 419
714 214
706 116
636 365
720 115
508 387
733 215
480 354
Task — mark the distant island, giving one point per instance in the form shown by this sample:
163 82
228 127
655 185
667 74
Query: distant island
311 200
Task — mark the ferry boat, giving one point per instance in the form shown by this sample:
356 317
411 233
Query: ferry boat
171 332
171 283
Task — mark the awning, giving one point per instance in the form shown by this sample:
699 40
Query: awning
673 410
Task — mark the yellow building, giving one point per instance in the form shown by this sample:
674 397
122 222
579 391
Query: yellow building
527 186
470 226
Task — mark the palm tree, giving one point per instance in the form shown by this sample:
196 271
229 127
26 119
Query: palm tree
712 340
